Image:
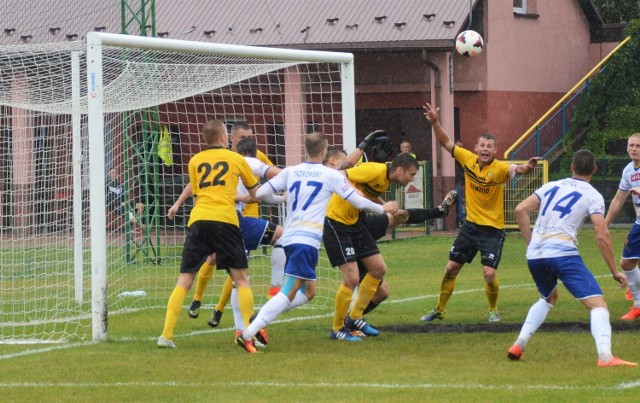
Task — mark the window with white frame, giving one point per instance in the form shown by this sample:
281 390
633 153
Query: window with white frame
520 6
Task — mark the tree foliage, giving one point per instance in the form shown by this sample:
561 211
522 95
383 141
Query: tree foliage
611 108
615 11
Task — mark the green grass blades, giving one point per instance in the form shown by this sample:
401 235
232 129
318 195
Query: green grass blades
460 358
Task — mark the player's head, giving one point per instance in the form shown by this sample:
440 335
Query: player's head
113 174
486 148
633 146
405 146
403 169
214 133
316 145
335 156
583 163
247 147
240 130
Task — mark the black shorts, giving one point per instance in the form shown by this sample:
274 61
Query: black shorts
473 238
376 224
207 237
347 243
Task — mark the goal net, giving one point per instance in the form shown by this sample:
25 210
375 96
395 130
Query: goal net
96 138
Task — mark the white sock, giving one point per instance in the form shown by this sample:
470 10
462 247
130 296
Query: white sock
268 313
278 260
601 332
634 285
298 300
535 317
235 307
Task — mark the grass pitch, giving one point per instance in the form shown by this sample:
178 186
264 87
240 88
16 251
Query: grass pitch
457 359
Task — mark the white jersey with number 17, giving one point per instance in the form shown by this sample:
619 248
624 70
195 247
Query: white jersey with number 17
309 187
564 205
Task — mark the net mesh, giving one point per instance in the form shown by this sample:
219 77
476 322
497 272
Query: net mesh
155 106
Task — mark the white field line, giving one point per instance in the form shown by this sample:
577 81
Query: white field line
317 385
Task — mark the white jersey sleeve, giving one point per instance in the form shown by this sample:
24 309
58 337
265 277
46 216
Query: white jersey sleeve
258 167
564 205
630 179
309 187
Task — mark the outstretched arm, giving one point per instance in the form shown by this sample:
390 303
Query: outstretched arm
443 138
524 169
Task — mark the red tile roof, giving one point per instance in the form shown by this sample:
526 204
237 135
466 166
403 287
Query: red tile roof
343 24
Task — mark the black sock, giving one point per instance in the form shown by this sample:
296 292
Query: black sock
419 215
372 305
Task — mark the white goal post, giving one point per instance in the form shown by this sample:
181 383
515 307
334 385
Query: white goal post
105 129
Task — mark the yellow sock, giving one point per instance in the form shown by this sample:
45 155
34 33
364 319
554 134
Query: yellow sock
343 300
366 291
204 275
174 306
493 290
225 294
446 289
245 302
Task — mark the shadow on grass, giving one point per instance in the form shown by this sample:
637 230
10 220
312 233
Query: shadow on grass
568 327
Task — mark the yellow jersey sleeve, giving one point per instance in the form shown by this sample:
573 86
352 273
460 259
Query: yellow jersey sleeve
371 179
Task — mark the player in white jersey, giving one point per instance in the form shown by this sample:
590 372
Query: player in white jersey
631 250
310 185
552 253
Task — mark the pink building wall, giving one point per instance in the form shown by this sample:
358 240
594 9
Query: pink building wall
514 81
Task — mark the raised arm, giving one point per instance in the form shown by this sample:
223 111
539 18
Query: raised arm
443 138
354 156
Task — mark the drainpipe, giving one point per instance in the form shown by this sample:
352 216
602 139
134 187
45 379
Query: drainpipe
436 160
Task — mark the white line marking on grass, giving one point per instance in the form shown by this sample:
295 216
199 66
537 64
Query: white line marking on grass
44 350
317 385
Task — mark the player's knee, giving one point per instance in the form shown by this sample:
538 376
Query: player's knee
628 265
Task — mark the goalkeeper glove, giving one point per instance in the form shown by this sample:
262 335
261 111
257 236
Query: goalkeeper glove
371 137
382 151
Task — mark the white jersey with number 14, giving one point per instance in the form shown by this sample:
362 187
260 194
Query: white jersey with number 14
564 205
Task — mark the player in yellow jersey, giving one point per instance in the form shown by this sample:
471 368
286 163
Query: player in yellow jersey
347 239
483 230
213 224
379 224
239 131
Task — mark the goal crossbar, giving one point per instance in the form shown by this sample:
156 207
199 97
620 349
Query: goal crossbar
96 93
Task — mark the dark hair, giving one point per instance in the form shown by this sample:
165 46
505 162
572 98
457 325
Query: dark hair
404 161
332 151
315 143
488 136
247 147
584 162
240 124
